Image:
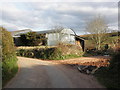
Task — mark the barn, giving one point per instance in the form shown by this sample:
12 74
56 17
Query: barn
54 37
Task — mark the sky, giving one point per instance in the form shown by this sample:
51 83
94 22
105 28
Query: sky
39 15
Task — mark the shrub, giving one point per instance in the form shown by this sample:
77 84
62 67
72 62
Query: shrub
9 60
43 53
115 62
33 39
70 49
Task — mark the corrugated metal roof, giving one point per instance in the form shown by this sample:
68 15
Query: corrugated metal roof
18 32
53 31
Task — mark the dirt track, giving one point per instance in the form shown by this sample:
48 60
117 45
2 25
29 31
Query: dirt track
36 73
94 61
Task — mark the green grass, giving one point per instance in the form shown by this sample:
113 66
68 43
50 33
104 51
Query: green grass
10 69
9 60
111 39
10 76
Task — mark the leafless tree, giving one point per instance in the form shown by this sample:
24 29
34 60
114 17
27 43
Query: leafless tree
98 28
58 27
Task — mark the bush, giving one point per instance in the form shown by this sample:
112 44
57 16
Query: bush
115 63
33 39
9 60
43 53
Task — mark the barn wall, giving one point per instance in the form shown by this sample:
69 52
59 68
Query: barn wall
66 36
63 36
53 39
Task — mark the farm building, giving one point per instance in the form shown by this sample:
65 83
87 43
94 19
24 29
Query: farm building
59 36
54 37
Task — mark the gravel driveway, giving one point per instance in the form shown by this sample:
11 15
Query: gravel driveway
35 73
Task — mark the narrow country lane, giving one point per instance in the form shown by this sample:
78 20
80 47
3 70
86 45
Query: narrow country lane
35 73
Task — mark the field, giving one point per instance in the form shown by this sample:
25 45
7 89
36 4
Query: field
113 41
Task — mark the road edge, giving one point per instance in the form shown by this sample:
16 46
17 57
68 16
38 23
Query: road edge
11 80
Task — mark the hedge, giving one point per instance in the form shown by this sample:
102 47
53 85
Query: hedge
53 53
9 60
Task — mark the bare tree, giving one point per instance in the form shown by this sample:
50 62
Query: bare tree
58 27
98 28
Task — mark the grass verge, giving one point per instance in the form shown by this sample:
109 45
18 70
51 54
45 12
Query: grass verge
10 68
109 76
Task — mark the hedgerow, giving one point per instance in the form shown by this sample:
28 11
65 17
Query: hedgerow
9 60
54 53
109 76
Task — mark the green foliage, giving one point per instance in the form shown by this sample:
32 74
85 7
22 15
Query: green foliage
10 68
9 60
42 53
7 44
33 39
109 76
115 63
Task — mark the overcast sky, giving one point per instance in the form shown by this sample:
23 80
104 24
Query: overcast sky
38 15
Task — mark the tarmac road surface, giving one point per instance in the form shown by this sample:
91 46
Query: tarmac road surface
36 73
